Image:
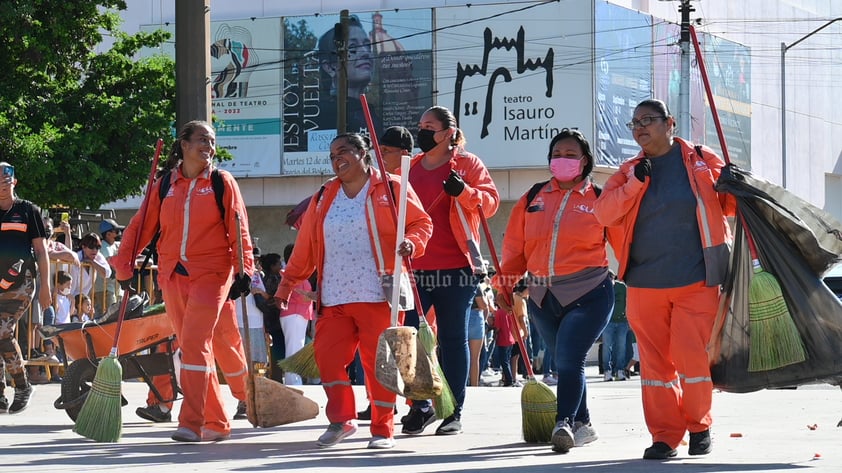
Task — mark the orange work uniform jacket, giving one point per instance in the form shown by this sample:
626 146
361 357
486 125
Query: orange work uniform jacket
618 206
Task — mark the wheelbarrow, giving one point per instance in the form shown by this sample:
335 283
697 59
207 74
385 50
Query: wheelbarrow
145 350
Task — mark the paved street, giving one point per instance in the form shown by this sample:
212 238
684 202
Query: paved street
763 431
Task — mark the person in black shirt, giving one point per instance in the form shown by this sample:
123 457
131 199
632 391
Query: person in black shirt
22 243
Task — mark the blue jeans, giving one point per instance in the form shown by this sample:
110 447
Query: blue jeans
572 330
451 292
505 356
614 347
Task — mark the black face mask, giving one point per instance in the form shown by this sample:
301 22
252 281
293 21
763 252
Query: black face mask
426 140
48 234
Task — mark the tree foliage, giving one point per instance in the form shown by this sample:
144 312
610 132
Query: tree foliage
80 125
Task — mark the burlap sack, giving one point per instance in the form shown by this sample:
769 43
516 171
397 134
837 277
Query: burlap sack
404 367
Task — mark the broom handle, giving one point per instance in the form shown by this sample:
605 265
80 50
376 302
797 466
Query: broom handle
244 304
506 295
704 73
380 164
700 60
396 274
143 207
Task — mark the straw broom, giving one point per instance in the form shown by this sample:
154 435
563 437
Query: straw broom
444 404
302 362
537 400
774 339
101 418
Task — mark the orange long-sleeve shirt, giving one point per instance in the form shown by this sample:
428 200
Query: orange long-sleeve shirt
556 235
192 231
619 204
308 255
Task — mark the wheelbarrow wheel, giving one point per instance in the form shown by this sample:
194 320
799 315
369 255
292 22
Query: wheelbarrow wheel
75 385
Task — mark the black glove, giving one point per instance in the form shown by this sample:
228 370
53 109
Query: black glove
126 285
454 185
240 286
642 169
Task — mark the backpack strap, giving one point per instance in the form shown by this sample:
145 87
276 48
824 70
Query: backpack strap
218 185
533 191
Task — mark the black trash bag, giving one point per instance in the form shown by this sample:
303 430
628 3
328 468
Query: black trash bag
797 252
814 233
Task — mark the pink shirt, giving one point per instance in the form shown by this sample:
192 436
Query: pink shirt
299 304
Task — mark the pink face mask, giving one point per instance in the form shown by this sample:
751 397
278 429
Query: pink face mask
566 170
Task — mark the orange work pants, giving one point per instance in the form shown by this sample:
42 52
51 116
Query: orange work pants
673 327
229 354
340 330
200 313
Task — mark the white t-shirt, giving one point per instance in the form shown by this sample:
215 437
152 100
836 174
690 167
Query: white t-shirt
350 274
255 315
63 305
82 278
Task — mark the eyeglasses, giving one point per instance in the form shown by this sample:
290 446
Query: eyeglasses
643 122
97 247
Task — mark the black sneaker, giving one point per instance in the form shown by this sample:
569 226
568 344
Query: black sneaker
450 426
241 411
4 404
21 401
366 414
700 443
659 451
154 413
417 420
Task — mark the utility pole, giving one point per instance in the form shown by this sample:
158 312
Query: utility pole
684 86
192 61
784 49
340 40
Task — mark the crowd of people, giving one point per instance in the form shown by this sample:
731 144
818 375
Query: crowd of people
659 213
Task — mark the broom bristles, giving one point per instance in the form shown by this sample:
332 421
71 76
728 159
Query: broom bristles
775 340
302 362
444 404
538 407
101 418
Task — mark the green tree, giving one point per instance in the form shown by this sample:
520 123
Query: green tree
80 125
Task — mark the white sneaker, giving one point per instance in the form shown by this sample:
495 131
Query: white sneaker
621 375
381 443
607 377
583 434
336 432
550 380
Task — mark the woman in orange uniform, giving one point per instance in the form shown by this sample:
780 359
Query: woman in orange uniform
672 241
198 255
348 236
553 235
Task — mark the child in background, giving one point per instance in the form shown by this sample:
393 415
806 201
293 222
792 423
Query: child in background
64 306
505 341
84 309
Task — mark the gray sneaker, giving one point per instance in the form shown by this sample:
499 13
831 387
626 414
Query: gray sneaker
4 404
584 434
562 438
335 432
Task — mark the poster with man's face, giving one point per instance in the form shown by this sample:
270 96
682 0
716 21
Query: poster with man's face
389 60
